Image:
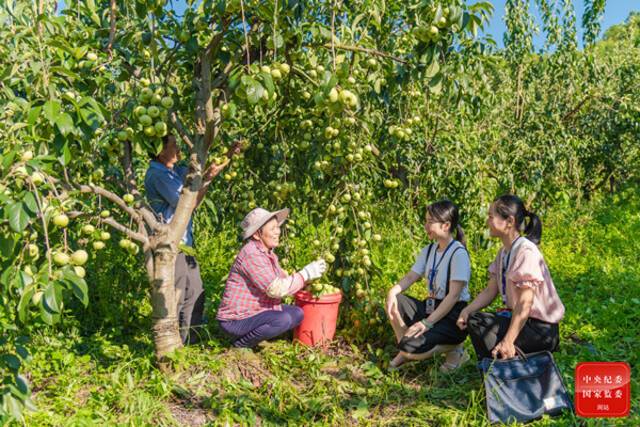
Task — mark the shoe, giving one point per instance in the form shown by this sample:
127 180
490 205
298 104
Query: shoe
395 365
462 359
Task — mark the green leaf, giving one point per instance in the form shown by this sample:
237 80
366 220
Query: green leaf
435 85
29 201
80 52
377 86
34 114
18 216
78 286
7 244
329 81
267 80
50 298
94 107
13 406
65 158
25 279
25 302
95 18
22 352
11 361
254 92
48 317
279 41
65 72
6 275
64 122
8 159
433 68
51 110
22 386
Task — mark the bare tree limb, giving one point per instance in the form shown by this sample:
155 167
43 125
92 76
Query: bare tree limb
364 50
136 214
44 225
244 30
141 236
208 117
126 230
177 123
127 166
575 109
40 12
112 27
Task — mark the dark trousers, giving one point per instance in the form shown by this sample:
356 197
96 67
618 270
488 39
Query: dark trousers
488 329
445 331
262 326
188 285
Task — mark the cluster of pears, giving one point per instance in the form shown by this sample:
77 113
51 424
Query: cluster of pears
319 289
443 19
151 112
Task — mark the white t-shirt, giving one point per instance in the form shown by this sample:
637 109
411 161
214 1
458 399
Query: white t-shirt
460 268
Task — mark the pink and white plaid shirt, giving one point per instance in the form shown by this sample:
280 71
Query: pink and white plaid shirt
253 270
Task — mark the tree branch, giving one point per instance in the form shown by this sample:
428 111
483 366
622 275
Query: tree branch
208 118
575 110
127 166
177 124
364 50
112 27
125 230
145 214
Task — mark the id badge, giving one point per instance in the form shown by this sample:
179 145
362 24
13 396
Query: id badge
431 305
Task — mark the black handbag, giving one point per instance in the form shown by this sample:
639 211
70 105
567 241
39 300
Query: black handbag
523 388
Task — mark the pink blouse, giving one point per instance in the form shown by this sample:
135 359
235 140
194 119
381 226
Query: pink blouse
527 268
245 293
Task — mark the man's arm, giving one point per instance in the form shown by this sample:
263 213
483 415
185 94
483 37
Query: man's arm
212 171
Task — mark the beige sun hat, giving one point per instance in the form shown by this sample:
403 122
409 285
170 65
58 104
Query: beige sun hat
259 217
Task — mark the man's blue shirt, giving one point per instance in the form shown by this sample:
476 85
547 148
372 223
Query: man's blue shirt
163 186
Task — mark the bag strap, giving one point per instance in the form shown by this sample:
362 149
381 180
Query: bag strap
449 270
520 353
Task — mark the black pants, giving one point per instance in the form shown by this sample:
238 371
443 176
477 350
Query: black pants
488 329
445 331
188 285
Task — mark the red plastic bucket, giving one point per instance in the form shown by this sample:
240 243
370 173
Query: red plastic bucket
320 317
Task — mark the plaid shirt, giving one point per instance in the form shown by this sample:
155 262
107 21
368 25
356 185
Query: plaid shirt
253 270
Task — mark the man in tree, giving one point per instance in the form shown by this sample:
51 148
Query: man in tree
163 183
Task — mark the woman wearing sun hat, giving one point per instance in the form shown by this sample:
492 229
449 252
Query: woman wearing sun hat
251 310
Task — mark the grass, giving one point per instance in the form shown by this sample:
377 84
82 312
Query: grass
96 373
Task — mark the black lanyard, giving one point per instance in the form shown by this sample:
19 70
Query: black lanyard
434 267
505 267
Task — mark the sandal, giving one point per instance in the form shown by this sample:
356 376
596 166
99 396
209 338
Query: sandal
397 365
462 359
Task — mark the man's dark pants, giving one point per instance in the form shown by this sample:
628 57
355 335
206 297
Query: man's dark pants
190 295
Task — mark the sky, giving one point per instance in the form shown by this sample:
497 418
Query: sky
616 12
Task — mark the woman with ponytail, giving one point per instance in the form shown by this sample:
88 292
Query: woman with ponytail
424 328
531 306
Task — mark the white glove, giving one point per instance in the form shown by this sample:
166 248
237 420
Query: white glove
314 270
